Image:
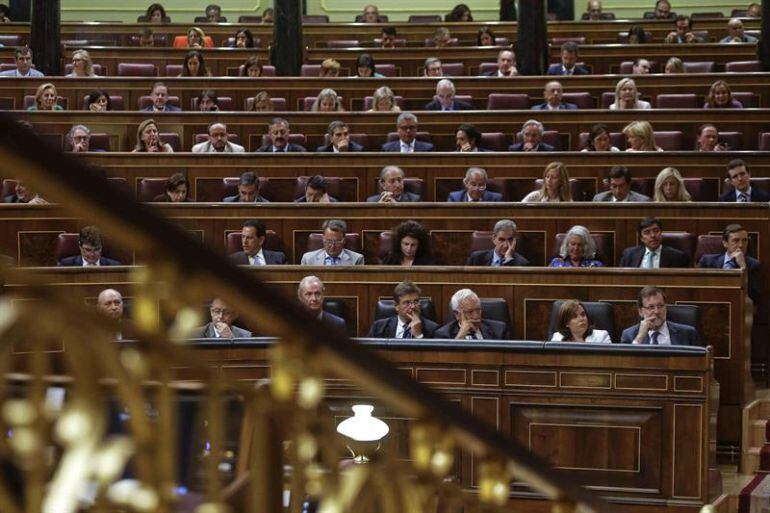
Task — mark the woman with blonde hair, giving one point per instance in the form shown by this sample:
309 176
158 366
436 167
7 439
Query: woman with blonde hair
627 96
674 65
640 137
327 101
720 97
384 100
45 98
148 139
82 66
262 102
669 186
555 186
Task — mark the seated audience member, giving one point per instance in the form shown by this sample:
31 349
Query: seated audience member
251 68
90 244
392 186
720 97
735 240
708 139
619 180
45 98
23 194
474 188
244 39
218 142
195 38
339 139
577 250
599 139
504 252
262 102
159 96
408 321
146 38
253 235
683 32
736 34
506 65
23 59
740 180
636 35
5 13
485 37
532 138
148 139
221 325
214 14
406 124
662 11
79 139
460 12
568 65
641 66
383 100
674 65
467 138
315 192
594 12
445 100
574 325
334 251
177 190
552 94
469 323
330 68
669 186
640 137
327 101
432 67
754 11
410 246
194 65
388 37
278 132
651 253
267 15
442 37
156 14
208 101
365 67
371 14
627 96
555 187
311 292
248 190
654 329
82 65
99 101
110 303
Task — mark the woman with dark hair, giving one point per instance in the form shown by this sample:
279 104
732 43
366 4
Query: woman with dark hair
194 65
461 12
636 35
599 139
156 14
410 245
208 101
365 66
574 325
98 100
251 68
720 97
177 190
244 39
485 37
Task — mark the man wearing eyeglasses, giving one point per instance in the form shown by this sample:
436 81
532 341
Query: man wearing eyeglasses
407 126
469 323
475 188
221 325
408 321
333 252
654 329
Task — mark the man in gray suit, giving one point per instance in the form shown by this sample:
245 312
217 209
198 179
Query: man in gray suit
311 293
221 325
620 187
333 252
218 142
392 185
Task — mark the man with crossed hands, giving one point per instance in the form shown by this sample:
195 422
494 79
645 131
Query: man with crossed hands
469 323
407 323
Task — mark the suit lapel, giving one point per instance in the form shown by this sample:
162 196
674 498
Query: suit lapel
391 326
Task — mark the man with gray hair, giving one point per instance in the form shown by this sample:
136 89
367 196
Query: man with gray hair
504 251
475 188
532 138
339 139
218 142
79 139
445 100
406 123
333 251
392 185
311 292
432 67
469 323
736 33
278 138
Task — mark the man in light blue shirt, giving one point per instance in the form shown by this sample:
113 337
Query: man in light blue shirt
23 57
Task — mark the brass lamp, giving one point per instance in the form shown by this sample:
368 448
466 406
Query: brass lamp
363 432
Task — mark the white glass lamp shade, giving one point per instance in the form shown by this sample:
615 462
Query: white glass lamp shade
362 427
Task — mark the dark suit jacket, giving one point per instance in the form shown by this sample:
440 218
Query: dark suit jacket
236 199
406 197
168 108
681 334
353 146
207 331
458 105
77 261
335 321
303 199
562 106
556 69
391 259
717 260
756 195
540 147
386 328
395 146
485 257
459 196
271 257
669 257
490 330
292 148
11 198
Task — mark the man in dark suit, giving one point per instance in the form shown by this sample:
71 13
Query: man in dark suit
654 329
408 321
445 100
315 192
532 138
506 65
392 185
248 190
662 11
23 194
740 179
735 240
619 180
253 236
110 303
651 253
406 124
278 134
504 252
468 323
159 96
683 32
568 64
221 325
311 295
90 244
475 188
467 138
339 139
553 94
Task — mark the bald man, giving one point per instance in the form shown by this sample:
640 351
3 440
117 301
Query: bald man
110 303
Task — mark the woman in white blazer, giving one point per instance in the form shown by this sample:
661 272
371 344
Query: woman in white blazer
573 325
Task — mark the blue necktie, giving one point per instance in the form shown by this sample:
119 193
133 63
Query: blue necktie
407 332
742 198
654 338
